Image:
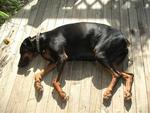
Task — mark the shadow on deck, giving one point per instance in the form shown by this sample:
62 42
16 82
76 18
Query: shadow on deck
83 81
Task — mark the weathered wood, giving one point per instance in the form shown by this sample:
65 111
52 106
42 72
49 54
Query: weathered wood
142 104
146 46
106 106
124 20
17 26
147 65
84 82
20 100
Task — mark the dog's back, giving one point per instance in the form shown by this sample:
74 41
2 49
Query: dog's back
83 39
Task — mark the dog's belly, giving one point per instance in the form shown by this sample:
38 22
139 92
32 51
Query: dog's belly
81 58
81 55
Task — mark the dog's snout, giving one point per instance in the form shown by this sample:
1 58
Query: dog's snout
23 62
20 65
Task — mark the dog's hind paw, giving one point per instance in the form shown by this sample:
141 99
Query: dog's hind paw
65 98
127 95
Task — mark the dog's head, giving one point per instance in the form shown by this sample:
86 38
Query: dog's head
27 52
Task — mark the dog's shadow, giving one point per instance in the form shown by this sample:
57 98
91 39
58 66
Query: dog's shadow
75 71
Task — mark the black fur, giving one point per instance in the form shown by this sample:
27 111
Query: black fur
81 41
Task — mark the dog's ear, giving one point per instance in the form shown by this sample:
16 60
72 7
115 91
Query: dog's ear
27 43
28 40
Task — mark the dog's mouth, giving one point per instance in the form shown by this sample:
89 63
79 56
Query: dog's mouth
26 59
23 62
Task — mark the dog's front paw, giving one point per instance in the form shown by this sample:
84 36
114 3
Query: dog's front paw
107 94
63 96
127 95
59 90
38 87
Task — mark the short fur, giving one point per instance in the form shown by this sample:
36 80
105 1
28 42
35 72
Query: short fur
81 41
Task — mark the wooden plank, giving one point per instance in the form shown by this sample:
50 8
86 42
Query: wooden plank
76 77
59 22
16 97
118 96
68 12
95 14
2 29
84 99
9 79
106 106
33 96
61 14
38 20
130 107
75 89
96 89
141 96
52 103
145 45
65 80
147 62
42 103
99 12
55 5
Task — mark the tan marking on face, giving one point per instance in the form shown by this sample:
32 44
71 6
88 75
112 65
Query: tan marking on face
28 55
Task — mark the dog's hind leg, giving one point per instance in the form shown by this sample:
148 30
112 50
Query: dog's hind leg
110 68
39 76
128 77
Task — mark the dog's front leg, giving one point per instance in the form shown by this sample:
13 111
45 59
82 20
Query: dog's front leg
39 76
56 82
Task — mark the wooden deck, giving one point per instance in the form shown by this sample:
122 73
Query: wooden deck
84 82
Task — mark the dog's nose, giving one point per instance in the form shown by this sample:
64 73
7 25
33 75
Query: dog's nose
22 64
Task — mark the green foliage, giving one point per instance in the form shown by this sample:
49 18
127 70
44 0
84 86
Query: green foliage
3 15
8 8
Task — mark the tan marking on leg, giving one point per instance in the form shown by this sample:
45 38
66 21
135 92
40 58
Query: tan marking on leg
128 85
108 93
59 90
39 76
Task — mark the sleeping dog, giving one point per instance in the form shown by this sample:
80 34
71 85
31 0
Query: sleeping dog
79 41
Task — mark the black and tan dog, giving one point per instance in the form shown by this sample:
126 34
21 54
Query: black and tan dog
79 41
